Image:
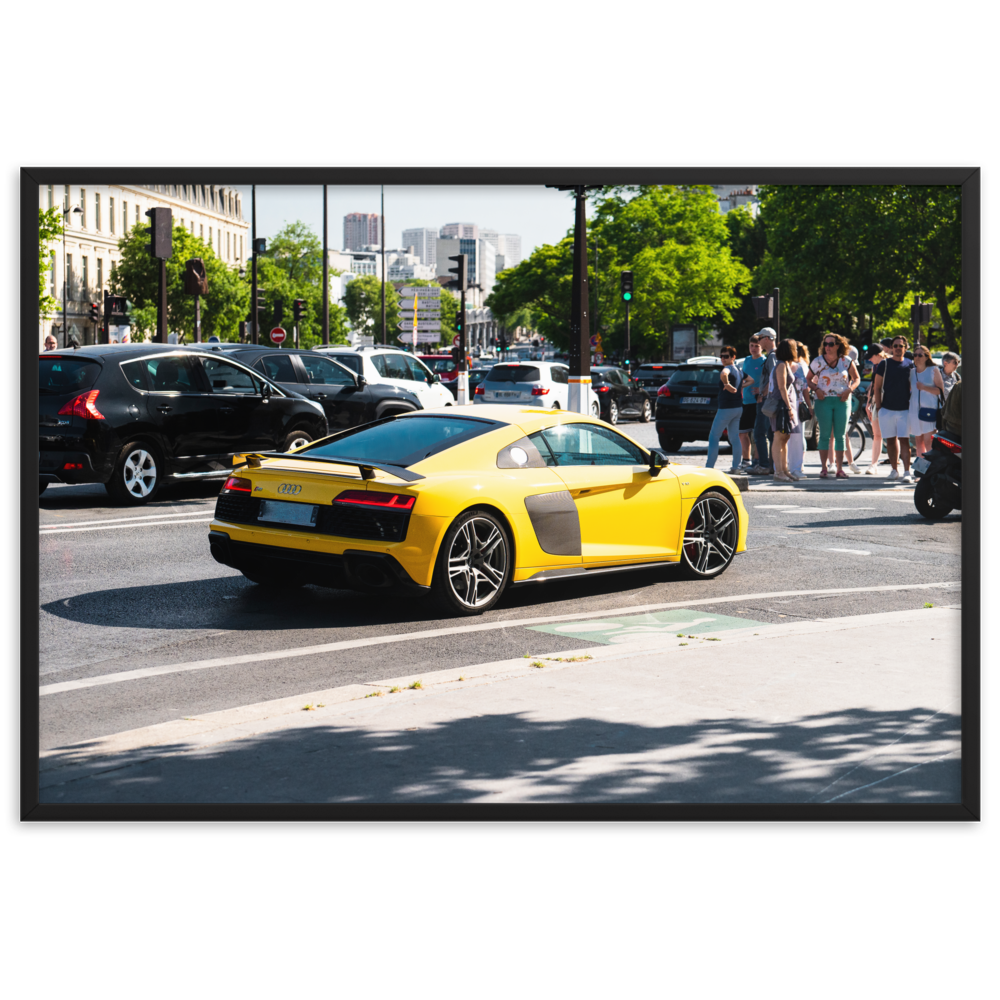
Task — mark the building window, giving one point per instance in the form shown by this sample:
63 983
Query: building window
201 232
50 196
229 255
124 218
66 198
83 208
192 227
210 236
137 215
84 275
97 212
111 214
53 269
100 274
241 248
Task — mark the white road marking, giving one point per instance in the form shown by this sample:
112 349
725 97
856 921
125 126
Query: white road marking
802 510
912 767
433 633
111 527
853 552
120 520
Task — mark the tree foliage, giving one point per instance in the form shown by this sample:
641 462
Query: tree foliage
137 275
676 244
363 301
50 227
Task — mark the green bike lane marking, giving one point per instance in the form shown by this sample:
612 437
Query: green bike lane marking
612 631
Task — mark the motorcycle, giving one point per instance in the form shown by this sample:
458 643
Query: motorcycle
939 477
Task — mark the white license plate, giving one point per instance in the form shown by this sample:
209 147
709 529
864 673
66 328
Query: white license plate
505 395
288 513
698 399
921 465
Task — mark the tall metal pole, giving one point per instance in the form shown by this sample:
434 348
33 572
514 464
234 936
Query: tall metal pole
628 332
384 333
65 275
161 305
579 357
915 316
197 319
326 281
777 316
253 263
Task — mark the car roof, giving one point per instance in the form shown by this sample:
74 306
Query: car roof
529 419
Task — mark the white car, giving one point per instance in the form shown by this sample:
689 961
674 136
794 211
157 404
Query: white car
531 383
389 366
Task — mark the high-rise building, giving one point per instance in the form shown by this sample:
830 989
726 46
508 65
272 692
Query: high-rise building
506 245
362 229
460 231
481 264
424 243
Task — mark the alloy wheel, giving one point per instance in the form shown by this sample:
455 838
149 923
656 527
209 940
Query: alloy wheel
613 412
477 562
139 473
710 536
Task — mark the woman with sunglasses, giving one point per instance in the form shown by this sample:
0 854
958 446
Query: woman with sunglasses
727 417
833 376
926 395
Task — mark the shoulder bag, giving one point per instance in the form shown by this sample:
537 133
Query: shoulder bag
929 414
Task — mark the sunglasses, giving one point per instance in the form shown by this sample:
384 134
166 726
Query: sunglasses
920 354
901 346
829 343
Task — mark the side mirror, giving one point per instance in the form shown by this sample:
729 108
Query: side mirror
435 378
265 390
657 461
360 381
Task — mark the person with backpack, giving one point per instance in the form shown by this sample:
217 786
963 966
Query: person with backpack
730 410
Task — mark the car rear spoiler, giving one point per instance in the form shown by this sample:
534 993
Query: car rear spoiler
367 469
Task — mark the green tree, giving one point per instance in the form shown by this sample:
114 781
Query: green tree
841 253
676 244
136 276
292 268
363 301
50 227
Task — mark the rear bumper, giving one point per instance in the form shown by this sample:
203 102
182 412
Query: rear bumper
354 569
52 468
692 430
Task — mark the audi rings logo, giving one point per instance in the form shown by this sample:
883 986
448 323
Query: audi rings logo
289 489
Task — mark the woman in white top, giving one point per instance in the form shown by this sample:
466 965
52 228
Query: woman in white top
833 376
927 394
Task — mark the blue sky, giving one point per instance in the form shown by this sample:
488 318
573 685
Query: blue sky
539 215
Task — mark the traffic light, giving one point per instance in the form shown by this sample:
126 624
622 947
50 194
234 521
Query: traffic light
456 353
626 286
93 312
115 305
298 308
260 300
160 231
244 336
461 272
260 245
279 312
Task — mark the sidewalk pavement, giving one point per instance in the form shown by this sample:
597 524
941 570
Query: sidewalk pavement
858 709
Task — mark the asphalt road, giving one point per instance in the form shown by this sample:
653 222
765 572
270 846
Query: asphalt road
126 589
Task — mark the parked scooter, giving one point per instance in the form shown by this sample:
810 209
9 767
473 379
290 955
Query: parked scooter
939 477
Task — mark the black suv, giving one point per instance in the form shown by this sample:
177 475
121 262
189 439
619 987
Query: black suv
686 405
133 416
654 374
346 397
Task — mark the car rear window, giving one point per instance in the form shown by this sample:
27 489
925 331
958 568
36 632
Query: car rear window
648 371
58 375
401 441
514 373
702 375
352 361
439 365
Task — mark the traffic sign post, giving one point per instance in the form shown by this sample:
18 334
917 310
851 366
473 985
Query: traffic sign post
278 335
420 321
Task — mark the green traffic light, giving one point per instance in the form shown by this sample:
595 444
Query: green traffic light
627 296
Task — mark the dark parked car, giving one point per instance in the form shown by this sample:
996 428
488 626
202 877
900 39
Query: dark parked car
654 374
686 405
347 398
136 416
619 395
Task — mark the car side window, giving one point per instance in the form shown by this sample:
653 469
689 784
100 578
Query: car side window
277 367
172 374
560 375
322 371
225 377
135 374
417 371
585 444
379 362
395 366
351 361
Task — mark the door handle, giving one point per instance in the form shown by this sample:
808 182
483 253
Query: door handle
226 409
320 395
163 408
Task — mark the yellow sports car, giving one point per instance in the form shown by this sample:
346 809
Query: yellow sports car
466 504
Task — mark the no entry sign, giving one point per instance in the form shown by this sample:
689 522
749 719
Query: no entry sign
278 335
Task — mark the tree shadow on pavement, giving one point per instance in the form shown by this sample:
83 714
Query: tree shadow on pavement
851 756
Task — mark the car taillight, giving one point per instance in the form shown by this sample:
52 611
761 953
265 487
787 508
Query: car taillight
72 465
539 391
480 391
83 406
602 388
387 501
663 391
236 484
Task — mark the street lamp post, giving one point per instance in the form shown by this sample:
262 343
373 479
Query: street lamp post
66 214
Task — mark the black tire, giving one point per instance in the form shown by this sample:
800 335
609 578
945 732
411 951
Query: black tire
41 487
927 503
647 411
612 412
295 439
137 476
473 533
710 536
671 442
